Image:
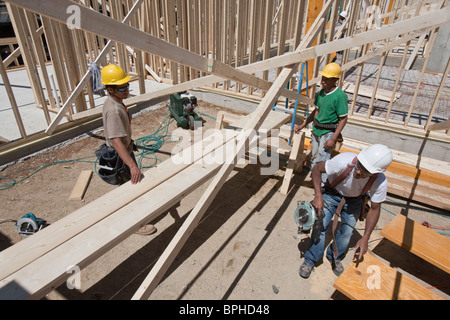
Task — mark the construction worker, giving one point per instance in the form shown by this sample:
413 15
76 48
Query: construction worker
117 129
342 16
355 174
329 117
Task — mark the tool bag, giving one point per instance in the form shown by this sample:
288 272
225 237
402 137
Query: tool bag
111 168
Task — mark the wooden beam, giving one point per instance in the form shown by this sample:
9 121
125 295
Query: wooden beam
444 125
25 251
359 282
296 155
419 240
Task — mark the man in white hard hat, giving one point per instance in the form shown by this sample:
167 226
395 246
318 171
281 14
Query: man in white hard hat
350 177
342 17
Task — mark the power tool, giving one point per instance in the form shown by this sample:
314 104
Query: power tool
29 224
182 107
305 216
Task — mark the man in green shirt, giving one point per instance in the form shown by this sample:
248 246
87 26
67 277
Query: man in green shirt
329 117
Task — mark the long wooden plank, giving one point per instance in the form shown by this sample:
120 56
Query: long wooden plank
418 190
296 155
420 240
372 279
254 123
84 247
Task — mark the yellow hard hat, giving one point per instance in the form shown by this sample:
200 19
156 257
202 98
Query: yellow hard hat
113 75
331 70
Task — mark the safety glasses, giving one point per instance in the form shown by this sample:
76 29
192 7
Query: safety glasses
361 169
123 89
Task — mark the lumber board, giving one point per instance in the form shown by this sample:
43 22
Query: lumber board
366 91
81 185
295 156
419 240
372 279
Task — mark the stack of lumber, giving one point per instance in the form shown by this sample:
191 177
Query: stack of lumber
372 279
414 177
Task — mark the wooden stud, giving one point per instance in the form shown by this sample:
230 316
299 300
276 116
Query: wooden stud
81 185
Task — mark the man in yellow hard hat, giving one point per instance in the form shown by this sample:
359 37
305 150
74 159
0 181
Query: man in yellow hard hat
117 129
329 117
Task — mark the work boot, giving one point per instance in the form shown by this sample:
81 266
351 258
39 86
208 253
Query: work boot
305 270
146 230
337 267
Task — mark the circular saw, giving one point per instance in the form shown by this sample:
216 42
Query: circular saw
305 215
29 224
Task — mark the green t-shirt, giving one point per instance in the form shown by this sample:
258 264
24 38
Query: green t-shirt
332 107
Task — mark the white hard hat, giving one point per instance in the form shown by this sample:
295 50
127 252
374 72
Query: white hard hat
343 14
375 158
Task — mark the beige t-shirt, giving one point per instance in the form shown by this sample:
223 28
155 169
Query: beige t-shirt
116 123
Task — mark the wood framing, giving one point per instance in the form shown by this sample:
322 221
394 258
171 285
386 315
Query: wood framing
195 50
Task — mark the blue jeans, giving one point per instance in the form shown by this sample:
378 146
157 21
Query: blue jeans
318 152
349 216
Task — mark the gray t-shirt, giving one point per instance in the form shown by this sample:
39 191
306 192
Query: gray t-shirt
117 123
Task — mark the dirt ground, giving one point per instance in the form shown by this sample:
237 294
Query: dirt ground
247 247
